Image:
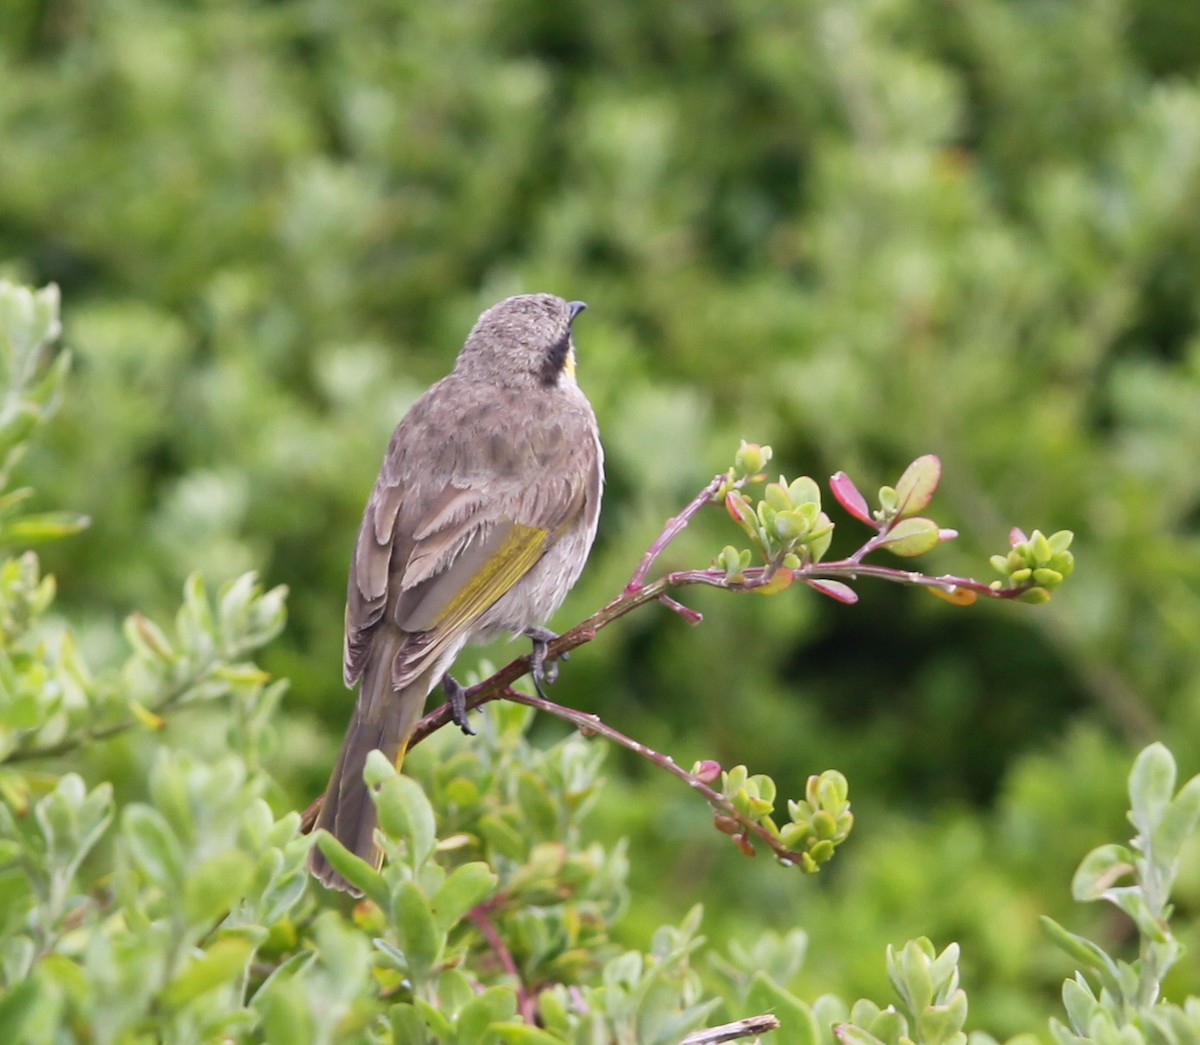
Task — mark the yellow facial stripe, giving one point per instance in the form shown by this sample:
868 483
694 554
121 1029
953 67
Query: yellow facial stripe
569 365
522 547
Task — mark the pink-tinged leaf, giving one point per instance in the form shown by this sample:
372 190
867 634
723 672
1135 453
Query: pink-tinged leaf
916 487
848 497
945 534
1016 536
957 597
835 590
739 510
911 537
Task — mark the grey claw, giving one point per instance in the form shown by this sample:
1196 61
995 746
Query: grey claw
456 696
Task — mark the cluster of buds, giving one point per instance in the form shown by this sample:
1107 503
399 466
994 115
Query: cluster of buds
818 825
1041 561
822 820
786 525
790 535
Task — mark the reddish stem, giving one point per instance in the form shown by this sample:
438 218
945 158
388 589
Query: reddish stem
526 1002
593 724
673 529
638 592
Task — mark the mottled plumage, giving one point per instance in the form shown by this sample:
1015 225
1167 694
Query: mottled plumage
479 524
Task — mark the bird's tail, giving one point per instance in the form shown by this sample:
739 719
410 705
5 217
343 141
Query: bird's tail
383 718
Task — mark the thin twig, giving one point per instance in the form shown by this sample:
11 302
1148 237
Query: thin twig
674 528
592 724
168 702
637 593
746 1028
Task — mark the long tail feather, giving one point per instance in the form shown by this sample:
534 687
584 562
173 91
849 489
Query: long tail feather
383 719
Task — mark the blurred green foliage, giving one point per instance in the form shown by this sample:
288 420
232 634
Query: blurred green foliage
860 230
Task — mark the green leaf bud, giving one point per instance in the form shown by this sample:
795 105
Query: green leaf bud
1040 547
751 458
824 824
832 788
821 851
1047 578
1063 562
1060 541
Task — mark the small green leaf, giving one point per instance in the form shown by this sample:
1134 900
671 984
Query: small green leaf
215 885
909 971
46 526
503 837
18 1007
218 965
405 812
1079 1002
286 1017
357 872
467 886
1080 948
153 847
938 1024
849 1034
1100 870
917 485
419 935
454 989
537 807
911 536
887 1025
491 1006
1151 783
1177 824
407 1025
523 1034
798 1026
1060 541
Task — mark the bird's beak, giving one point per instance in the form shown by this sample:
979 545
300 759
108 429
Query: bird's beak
576 307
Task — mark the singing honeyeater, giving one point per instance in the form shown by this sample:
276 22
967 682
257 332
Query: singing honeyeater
479 523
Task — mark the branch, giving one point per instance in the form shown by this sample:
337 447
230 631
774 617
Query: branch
746 1028
168 701
916 487
589 724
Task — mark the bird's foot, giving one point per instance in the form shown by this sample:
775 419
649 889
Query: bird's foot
540 671
456 695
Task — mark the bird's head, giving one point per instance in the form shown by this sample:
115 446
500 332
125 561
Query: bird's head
523 340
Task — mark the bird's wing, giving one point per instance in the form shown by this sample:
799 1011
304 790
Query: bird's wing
434 567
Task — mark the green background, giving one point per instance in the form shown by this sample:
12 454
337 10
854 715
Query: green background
858 231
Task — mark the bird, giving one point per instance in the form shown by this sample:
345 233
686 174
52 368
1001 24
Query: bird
480 522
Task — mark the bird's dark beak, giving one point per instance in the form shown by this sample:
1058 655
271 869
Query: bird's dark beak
576 307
